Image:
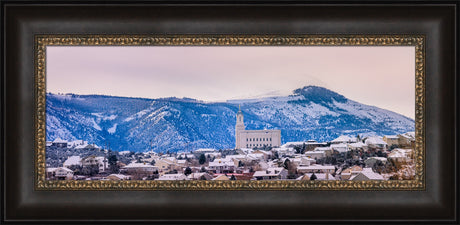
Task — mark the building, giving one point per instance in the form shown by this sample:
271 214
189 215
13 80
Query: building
222 166
367 174
63 173
178 176
319 176
376 142
93 164
271 174
72 161
344 139
59 143
316 169
254 138
141 168
391 140
118 177
407 140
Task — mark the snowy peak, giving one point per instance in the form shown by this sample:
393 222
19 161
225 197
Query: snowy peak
319 95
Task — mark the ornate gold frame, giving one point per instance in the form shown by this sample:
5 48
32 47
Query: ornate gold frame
42 41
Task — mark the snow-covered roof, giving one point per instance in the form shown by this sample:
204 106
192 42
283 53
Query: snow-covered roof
59 140
220 162
342 147
409 135
64 169
322 149
316 167
399 153
275 171
138 165
119 176
178 176
195 175
221 177
182 161
321 176
124 152
379 158
391 136
51 169
357 145
369 173
205 150
86 146
72 160
344 139
375 141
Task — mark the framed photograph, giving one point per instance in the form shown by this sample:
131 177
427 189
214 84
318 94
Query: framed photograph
172 109
176 119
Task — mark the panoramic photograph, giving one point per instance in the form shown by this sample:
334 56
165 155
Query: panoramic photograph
326 113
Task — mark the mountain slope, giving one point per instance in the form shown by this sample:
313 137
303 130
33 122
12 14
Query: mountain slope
173 124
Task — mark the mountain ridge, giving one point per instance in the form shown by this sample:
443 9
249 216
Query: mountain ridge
175 124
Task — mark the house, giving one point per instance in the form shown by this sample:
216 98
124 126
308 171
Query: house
181 163
50 172
118 177
316 169
179 176
376 142
93 164
221 177
351 171
391 140
59 143
316 154
63 173
275 173
285 151
140 169
357 146
327 150
343 139
222 166
103 164
88 147
199 176
366 174
165 166
400 156
72 161
341 147
319 176
407 140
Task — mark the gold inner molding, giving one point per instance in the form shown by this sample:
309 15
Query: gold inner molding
42 41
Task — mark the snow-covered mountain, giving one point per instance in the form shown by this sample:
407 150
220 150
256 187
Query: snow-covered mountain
172 124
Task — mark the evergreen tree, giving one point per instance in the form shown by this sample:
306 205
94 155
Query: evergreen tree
286 164
313 177
113 166
202 159
187 171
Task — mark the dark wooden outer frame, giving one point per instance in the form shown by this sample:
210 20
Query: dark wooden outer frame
23 21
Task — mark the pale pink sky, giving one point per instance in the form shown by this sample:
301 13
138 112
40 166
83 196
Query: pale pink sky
379 76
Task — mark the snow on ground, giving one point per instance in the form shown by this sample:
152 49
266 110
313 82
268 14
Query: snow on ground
95 125
113 129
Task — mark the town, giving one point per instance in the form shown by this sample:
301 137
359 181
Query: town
258 155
